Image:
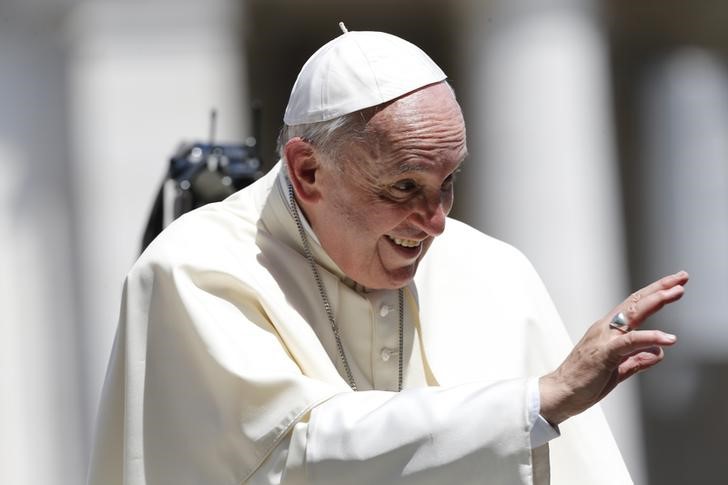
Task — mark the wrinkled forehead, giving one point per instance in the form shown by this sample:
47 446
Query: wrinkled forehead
432 107
426 122
410 136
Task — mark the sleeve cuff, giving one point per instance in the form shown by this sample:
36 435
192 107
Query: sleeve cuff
541 430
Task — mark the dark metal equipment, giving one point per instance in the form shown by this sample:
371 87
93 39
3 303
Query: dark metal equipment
200 173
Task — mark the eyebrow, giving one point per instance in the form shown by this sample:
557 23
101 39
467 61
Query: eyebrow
406 167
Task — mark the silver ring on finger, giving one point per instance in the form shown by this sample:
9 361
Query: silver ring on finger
619 321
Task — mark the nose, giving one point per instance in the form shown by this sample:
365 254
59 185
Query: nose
432 213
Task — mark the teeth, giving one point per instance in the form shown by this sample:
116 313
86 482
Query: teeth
407 243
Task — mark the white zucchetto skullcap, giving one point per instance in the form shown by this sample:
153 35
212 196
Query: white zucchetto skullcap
358 70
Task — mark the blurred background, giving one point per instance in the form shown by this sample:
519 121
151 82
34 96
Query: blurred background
598 134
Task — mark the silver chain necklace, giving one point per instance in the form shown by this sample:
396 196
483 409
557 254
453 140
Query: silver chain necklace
327 305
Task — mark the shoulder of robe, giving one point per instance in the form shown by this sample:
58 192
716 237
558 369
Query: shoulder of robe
464 250
221 256
221 236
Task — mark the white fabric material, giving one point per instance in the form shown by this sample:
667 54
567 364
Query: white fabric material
219 358
357 70
414 436
541 431
291 452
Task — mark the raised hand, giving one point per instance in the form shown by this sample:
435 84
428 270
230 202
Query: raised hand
608 353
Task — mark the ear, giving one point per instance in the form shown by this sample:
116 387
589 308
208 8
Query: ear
303 169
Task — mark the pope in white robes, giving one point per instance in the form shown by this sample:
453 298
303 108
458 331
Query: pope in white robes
247 325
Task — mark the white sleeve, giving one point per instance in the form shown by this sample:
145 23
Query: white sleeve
291 451
541 431
471 433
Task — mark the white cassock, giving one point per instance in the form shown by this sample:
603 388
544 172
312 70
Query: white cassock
225 370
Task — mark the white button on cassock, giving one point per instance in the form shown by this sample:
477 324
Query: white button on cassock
386 354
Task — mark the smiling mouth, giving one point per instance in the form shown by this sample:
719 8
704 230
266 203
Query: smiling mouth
405 243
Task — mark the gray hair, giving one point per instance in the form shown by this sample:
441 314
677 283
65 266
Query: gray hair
330 136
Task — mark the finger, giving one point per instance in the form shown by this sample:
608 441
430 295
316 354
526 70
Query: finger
652 303
640 361
654 350
646 301
664 283
638 341
636 310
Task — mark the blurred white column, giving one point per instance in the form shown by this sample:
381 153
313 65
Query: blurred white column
543 174
31 321
143 76
41 429
684 182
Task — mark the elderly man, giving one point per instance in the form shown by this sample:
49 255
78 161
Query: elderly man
323 326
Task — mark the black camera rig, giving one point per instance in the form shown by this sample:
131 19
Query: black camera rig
200 173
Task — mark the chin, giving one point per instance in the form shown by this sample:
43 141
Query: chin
399 278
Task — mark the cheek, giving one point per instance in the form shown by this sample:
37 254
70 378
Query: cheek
360 228
344 213
367 230
363 217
